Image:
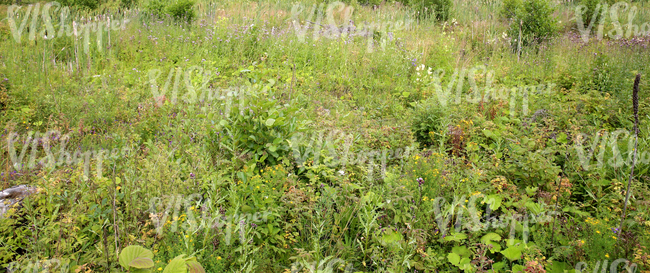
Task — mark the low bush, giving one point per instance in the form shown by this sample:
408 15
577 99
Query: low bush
533 20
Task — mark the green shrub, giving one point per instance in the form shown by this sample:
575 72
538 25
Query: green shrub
438 9
128 3
156 7
589 12
427 118
534 21
182 10
510 9
88 4
257 127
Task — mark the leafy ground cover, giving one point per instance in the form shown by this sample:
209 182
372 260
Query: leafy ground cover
251 136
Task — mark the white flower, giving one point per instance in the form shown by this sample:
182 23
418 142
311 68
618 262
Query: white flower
429 71
388 201
342 172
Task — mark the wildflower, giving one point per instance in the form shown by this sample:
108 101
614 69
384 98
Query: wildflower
159 268
191 175
218 257
420 181
607 255
598 231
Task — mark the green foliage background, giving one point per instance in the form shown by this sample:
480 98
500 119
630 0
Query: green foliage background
382 151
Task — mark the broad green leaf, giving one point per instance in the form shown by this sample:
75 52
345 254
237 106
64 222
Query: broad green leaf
270 122
453 258
518 268
177 265
455 237
465 264
512 253
130 253
142 262
498 266
488 240
195 267
461 251
494 201
488 133
246 209
490 237
390 237
561 138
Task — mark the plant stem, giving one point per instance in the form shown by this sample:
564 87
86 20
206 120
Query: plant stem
635 104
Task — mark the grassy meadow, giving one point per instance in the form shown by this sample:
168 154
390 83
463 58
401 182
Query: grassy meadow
250 136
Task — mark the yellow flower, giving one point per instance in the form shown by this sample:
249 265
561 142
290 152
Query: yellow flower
159 268
607 255
187 236
597 231
614 237
582 241
218 257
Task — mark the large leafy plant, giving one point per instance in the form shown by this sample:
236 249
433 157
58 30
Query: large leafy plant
533 20
255 127
427 119
139 259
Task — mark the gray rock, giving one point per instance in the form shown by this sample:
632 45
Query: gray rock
11 196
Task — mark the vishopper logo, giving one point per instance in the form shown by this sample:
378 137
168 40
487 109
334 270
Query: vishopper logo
179 77
617 32
611 140
191 96
444 214
327 265
49 160
192 223
48 31
621 263
48 265
347 29
321 149
445 97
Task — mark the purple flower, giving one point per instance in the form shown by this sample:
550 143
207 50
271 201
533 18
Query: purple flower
615 230
191 175
253 225
420 181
